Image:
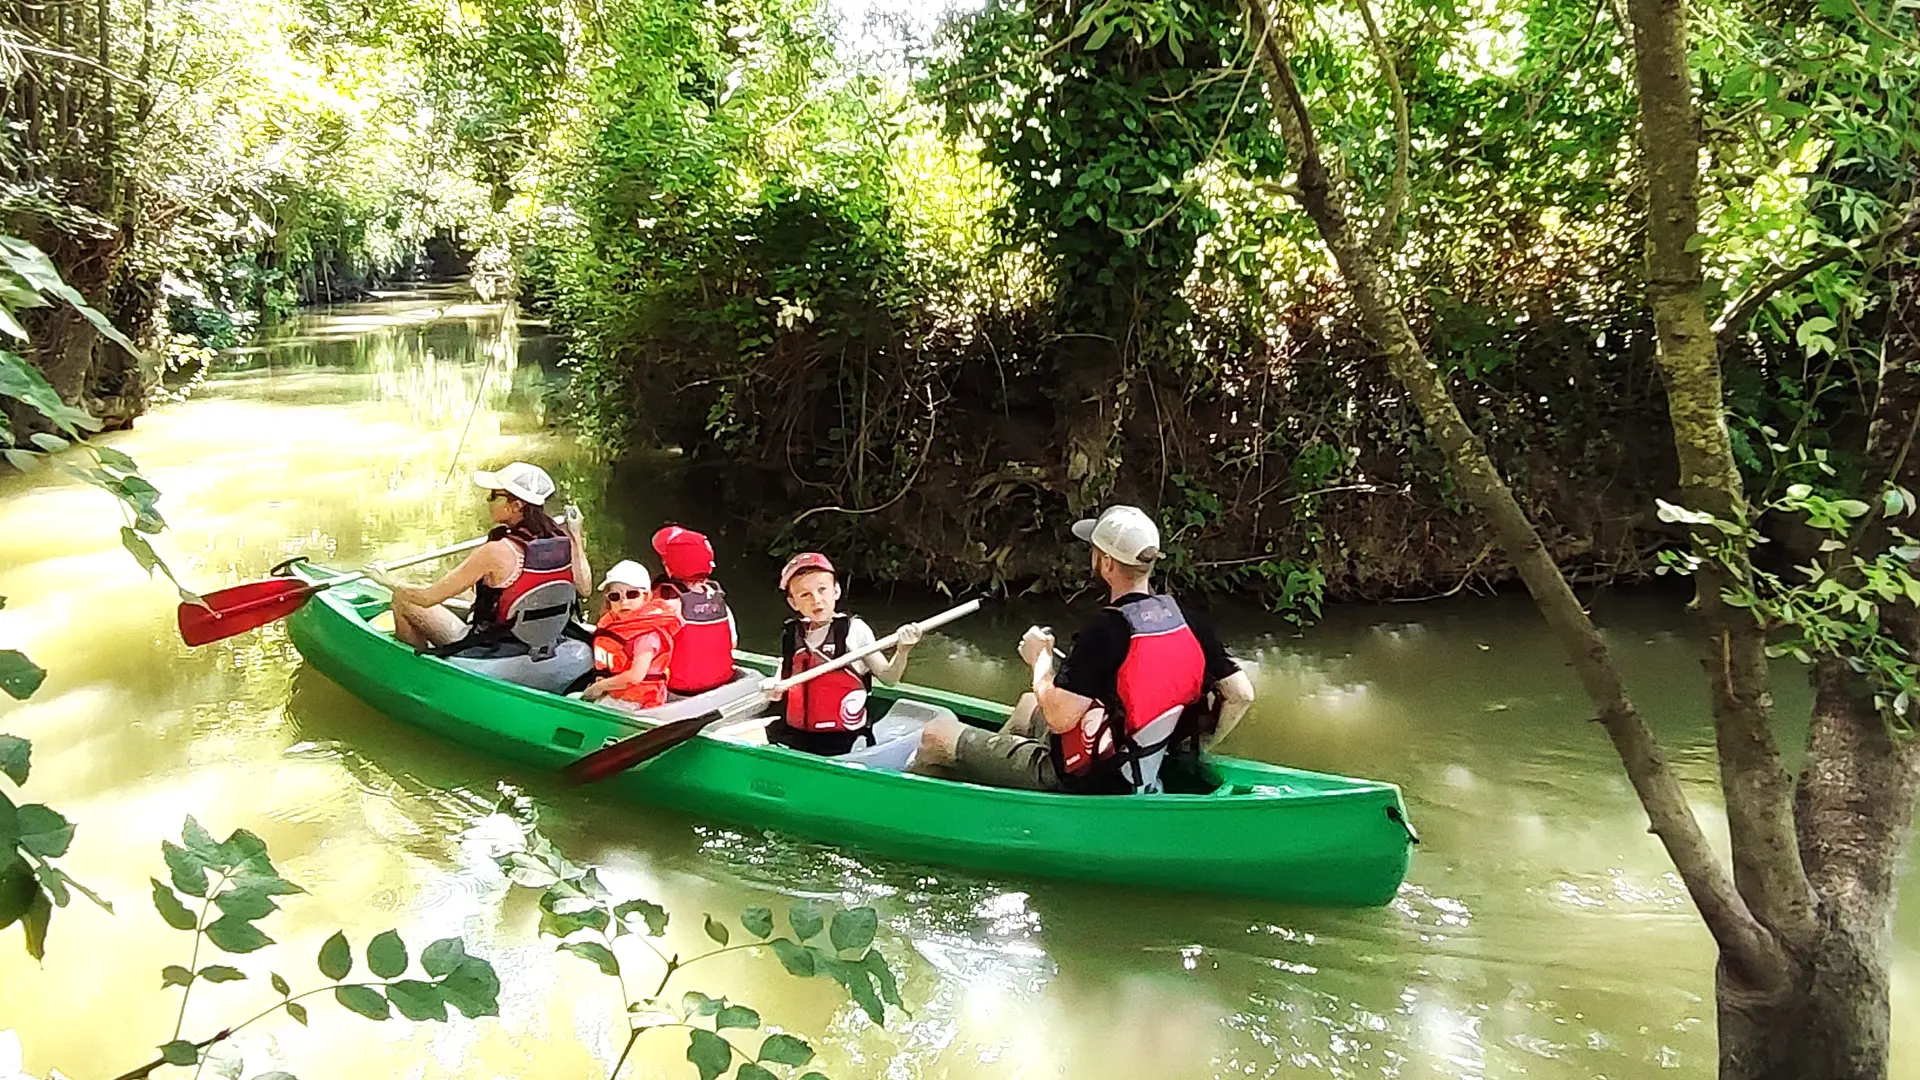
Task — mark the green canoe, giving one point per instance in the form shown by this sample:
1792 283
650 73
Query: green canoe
1257 830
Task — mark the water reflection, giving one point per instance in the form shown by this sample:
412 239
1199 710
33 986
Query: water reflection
1541 933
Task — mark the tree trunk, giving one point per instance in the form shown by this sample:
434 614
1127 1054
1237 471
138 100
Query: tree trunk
1759 793
1741 938
1855 800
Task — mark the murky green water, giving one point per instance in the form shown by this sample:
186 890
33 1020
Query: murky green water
1540 934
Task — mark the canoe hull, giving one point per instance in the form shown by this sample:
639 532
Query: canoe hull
1288 835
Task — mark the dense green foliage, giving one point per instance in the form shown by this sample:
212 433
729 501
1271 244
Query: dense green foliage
922 306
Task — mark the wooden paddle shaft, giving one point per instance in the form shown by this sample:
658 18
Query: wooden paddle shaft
413 560
887 642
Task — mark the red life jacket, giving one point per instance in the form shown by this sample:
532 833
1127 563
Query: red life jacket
543 560
613 648
703 648
836 701
1164 669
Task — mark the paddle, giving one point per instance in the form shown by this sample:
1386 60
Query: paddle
655 741
239 608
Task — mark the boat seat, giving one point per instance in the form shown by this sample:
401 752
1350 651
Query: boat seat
897 735
744 682
1158 732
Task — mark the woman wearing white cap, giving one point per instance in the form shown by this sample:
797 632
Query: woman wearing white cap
526 549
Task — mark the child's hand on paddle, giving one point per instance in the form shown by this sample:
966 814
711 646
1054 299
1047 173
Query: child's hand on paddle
909 635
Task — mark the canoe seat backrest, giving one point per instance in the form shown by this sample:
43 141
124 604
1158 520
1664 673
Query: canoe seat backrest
540 615
1157 734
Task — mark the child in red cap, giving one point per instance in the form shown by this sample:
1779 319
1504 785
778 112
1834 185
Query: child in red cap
703 649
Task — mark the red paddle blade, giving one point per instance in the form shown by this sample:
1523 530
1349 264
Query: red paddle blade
241 608
643 747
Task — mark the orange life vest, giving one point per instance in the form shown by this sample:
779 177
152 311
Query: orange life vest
703 649
1164 669
836 701
614 641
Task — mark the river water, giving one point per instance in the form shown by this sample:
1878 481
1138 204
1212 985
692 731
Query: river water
1541 932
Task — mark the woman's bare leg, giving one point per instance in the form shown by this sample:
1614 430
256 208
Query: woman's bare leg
426 626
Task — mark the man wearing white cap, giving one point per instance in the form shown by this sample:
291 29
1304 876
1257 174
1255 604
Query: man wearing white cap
527 547
1142 676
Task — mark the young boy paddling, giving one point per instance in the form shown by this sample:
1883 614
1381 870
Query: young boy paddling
828 715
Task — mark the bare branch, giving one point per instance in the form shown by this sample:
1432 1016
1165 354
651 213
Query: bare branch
1734 323
1744 942
1383 230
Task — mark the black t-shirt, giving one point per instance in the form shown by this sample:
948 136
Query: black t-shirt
1092 666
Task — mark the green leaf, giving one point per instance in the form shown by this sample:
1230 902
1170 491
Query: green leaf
736 1016
654 915
814 1076
114 459
233 935
189 870
245 903
1100 35
49 443
696 1003
882 973
275 1075
175 975
417 1000
805 919
716 930
141 551
387 956
10 326
362 999
758 921
34 924
279 984
797 959
709 1053
44 832
750 1071
443 957
853 929
858 982
16 754
297 1011
39 273
786 1050
599 954
336 957
24 383
19 677
18 887
180 1052
221 973
473 988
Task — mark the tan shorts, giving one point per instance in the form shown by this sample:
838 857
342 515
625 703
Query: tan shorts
1013 758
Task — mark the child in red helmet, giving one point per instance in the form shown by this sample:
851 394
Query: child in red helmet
828 715
703 649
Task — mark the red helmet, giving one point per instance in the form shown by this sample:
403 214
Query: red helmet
799 564
684 553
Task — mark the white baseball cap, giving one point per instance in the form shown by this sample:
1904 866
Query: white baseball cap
1124 532
528 483
628 572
